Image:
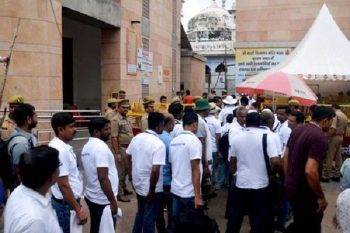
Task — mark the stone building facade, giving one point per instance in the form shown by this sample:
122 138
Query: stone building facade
268 31
79 52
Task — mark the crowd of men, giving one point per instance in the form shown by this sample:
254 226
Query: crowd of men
270 164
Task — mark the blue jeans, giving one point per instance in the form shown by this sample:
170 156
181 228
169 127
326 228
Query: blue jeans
147 213
220 170
1 194
180 205
63 209
167 202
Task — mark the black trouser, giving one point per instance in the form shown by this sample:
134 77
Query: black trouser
257 203
167 202
96 212
306 218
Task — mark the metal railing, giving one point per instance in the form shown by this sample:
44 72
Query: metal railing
45 133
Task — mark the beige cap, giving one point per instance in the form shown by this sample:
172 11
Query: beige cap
112 101
16 99
123 103
148 100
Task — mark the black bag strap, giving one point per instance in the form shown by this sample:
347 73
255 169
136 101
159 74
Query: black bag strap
266 157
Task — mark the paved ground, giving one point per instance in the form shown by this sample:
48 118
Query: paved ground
217 208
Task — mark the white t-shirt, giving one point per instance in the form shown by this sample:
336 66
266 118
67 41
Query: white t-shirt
178 128
228 109
96 154
276 138
204 132
27 211
283 132
146 150
247 147
69 167
225 128
182 150
234 131
215 128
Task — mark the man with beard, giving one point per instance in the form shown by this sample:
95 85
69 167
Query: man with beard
101 173
8 124
303 158
22 139
67 191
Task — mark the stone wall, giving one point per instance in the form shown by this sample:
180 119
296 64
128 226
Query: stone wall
284 21
107 11
35 71
114 50
193 73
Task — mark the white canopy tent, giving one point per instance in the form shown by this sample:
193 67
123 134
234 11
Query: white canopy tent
322 58
323 54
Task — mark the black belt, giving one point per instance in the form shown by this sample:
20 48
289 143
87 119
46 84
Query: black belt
62 201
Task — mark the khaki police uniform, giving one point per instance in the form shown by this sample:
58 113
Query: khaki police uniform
121 128
144 119
340 123
6 128
110 114
144 123
8 124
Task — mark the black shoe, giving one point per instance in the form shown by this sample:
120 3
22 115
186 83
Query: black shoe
325 180
123 198
127 192
336 179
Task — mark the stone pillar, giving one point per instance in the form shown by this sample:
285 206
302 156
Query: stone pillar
110 63
35 70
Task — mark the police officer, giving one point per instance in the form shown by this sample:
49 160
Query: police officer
112 105
121 94
148 105
8 124
121 137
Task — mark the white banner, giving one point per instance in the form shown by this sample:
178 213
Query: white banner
144 60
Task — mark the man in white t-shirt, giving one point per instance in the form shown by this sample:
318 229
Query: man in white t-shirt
146 154
238 125
251 192
185 158
28 208
202 109
176 109
67 191
218 174
101 173
267 122
282 128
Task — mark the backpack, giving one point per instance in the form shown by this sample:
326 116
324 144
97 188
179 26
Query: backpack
6 168
224 145
196 221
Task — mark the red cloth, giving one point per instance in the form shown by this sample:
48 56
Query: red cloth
188 99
